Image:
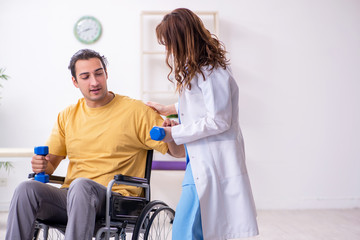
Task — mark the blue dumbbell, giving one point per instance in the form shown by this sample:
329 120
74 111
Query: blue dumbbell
42 150
157 133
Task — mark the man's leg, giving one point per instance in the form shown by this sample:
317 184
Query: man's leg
86 202
31 200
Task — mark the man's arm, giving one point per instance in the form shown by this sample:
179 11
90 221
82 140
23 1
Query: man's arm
177 151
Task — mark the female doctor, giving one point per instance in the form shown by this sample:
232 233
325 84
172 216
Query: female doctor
216 200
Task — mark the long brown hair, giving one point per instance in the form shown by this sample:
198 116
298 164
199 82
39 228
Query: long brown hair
190 45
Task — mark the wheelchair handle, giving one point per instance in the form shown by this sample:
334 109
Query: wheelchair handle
157 133
42 177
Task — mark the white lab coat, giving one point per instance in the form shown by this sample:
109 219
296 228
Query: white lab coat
210 128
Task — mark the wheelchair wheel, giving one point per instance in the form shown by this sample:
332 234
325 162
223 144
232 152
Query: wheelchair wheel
53 234
155 213
46 232
160 225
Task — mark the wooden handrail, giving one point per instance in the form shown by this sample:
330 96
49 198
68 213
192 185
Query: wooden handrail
16 152
29 152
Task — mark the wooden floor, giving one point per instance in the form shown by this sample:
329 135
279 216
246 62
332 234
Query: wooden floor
309 225
294 225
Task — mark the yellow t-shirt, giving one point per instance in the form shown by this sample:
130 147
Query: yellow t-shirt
105 141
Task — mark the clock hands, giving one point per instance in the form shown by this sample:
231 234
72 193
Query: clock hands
85 30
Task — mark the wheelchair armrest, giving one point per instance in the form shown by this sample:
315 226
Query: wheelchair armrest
129 179
31 175
56 179
52 178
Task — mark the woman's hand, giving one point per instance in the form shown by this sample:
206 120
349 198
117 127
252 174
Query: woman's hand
164 110
169 123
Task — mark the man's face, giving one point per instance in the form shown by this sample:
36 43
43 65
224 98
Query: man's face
91 80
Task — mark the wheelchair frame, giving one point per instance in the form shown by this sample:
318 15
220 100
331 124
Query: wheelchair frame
154 212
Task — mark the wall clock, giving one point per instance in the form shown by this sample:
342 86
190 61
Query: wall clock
87 29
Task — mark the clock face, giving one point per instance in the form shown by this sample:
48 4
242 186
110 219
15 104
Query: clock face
87 29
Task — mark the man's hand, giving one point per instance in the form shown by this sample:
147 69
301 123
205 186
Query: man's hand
39 163
167 124
174 150
46 164
168 138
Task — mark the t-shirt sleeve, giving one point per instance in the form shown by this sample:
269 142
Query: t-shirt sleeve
56 140
150 119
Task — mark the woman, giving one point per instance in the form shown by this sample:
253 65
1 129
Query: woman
216 200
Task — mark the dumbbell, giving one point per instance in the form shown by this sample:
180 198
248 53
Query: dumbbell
157 133
43 151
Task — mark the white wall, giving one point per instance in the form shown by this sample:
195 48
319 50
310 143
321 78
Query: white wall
297 65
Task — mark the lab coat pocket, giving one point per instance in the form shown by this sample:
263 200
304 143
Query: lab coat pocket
228 158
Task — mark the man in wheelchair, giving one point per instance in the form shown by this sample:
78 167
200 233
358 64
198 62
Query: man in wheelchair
102 135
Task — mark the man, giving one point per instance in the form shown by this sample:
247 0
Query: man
104 134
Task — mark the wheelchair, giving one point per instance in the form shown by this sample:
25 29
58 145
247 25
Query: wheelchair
143 218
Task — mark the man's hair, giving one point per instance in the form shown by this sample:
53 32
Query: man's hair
85 54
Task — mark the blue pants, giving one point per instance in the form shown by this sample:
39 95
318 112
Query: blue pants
187 222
